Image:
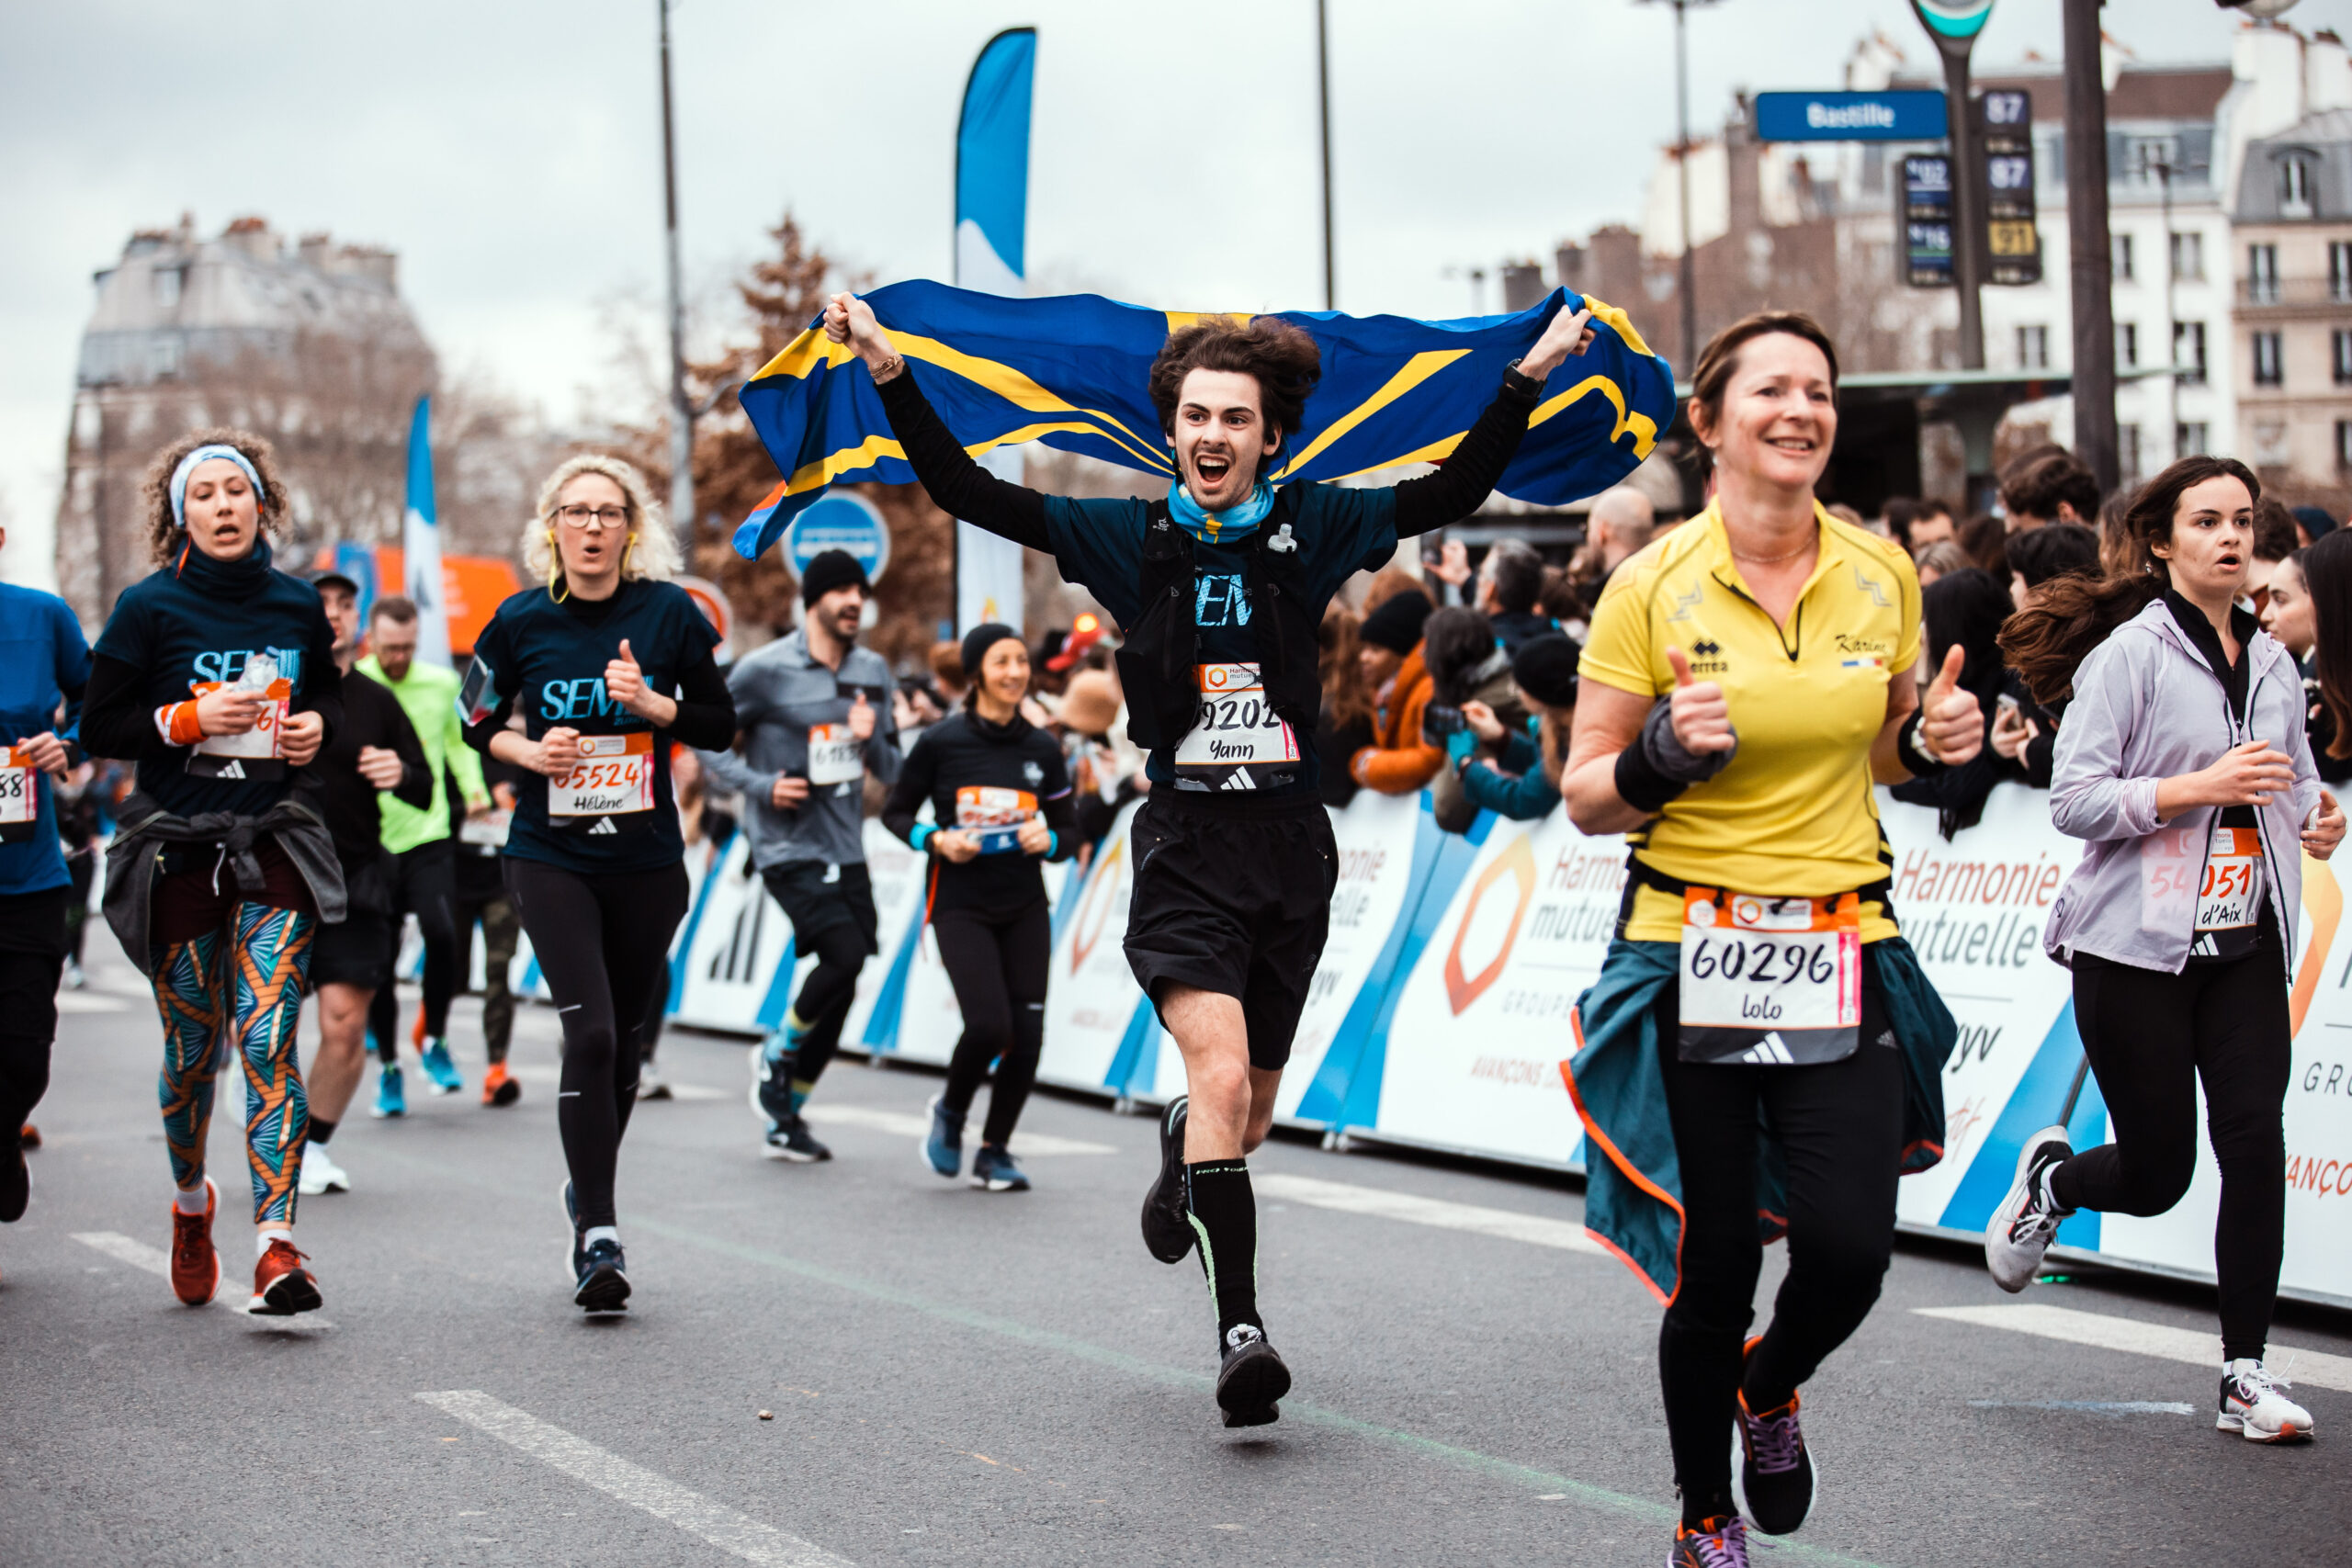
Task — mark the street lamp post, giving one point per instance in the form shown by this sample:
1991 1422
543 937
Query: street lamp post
1954 24
2091 248
681 410
1323 99
1686 284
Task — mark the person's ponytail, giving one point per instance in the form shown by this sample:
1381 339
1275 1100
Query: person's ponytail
2072 614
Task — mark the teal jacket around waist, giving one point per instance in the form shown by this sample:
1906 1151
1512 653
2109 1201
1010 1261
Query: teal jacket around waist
1632 1195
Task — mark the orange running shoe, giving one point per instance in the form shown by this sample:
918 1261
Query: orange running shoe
31 1136
195 1268
498 1087
282 1287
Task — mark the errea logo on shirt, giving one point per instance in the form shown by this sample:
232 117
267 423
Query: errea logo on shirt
1707 657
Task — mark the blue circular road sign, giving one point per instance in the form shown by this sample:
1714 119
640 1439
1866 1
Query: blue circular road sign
840 521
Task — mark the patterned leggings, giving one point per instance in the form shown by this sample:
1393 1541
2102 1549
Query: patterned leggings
211 992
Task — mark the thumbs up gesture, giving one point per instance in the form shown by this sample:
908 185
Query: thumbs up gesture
1701 718
625 683
1952 726
860 719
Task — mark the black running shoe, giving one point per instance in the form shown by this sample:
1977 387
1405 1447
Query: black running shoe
1167 1228
1251 1379
1776 1467
604 1278
790 1139
16 1181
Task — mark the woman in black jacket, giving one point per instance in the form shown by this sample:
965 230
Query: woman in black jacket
1001 801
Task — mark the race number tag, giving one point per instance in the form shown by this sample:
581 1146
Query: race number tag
612 778
834 755
19 795
994 816
1771 982
2230 897
1237 739
259 753
487 832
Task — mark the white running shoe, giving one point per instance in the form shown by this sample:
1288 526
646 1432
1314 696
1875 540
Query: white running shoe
651 1084
2020 1229
321 1175
2251 1404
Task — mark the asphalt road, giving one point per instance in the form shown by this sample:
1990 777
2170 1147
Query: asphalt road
960 1377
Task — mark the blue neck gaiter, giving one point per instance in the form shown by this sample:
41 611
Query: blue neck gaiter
1218 528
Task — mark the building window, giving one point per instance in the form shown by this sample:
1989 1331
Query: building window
2262 275
2188 440
2189 351
2295 187
2126 452
2339 342
2150 157
2267 370
2127 345
2033 348
2123 258
2339 269
167 285
164 357
2344 442
2188 257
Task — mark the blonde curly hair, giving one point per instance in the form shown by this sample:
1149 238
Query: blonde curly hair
653 549
164 537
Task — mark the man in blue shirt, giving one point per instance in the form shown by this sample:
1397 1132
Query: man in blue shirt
44 664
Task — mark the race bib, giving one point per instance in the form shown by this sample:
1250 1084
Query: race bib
259 753
994 816
835 756
1238 741
489 831
19 795
612 778
2230 897
1771 982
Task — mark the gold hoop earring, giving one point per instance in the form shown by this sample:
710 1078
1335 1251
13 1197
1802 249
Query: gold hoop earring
625 550
555 570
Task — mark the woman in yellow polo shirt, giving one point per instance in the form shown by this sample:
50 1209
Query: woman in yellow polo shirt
1762 1053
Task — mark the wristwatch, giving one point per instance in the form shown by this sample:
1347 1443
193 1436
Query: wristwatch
1519 380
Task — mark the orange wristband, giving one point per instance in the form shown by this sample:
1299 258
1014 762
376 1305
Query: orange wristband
177 722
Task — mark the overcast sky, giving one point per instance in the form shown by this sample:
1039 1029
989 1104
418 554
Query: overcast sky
510 149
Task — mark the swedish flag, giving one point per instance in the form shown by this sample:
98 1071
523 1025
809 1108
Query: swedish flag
1072 372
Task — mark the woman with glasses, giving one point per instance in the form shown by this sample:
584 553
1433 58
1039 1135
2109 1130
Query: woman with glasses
606 666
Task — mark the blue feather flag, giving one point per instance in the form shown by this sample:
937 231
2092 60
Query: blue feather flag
1072 372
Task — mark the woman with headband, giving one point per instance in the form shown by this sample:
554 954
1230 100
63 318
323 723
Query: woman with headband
217 675
606 666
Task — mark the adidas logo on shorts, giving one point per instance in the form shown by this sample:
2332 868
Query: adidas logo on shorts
603 825
1769 1052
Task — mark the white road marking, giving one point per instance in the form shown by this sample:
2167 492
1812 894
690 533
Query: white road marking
1507 1223
91 1001
555 1076
1038 1144
2197 1349
640 1488
155 1261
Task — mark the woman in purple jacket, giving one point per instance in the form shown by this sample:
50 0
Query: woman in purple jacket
2183 767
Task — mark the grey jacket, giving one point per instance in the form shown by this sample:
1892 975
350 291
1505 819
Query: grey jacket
781 692
2148 707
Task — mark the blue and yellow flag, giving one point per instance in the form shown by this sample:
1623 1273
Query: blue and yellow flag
1072 372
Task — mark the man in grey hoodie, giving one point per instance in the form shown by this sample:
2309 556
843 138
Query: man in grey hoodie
815 709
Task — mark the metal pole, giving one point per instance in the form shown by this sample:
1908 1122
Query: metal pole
1323 96
1685 286
2172 328
681 413
2091 248
1968 209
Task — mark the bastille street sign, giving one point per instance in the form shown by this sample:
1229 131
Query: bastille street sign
1908 115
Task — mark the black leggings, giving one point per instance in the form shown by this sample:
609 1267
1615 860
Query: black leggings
425 884
998 967
28 1028
2150 1036
603 942
1841 1126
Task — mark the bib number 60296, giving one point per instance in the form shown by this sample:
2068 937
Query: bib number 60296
1761 961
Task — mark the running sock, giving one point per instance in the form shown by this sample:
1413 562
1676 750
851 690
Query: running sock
595 1234
263 1238
321 1130
189 1200
1225 1215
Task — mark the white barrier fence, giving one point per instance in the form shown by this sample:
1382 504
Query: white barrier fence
1440 1015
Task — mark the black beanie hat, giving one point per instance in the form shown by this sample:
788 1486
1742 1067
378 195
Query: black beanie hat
1397 625
829 570
1546 668
977 643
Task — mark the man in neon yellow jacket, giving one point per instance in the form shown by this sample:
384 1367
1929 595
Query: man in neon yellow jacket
423 851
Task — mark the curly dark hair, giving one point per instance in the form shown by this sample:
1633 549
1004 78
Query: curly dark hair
1280 355
163 532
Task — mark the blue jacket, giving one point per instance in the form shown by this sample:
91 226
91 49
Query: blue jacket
1519 791
1632 1195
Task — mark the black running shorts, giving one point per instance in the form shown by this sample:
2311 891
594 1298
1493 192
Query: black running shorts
354 950
1234 898
817 898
